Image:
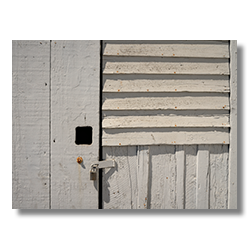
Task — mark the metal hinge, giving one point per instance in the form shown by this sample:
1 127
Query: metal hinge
110 163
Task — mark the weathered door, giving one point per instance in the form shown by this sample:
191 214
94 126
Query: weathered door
75 88
169 121
56 96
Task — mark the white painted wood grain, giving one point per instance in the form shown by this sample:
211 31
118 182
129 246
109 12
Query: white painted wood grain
179 68
143 176
178 105
191 177
162 85
164 121
163 193
75 67
203 174
219 177
168 102
125 137
117 183
169 176
168 50
181 176
232 187
30 124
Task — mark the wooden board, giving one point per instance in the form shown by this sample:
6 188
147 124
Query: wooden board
164 121
160 136
232 187
159 84
168 50
74 102
170 101
30 124
219 67
166 177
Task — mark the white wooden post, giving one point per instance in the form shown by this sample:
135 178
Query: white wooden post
232 187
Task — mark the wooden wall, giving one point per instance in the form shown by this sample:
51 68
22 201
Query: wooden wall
56 88
166 121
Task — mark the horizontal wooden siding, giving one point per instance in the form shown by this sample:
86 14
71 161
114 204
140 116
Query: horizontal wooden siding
177 91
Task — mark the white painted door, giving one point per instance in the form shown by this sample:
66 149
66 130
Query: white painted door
75 88
56 96
169 121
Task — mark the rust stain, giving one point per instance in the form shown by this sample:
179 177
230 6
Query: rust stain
147 90
55 42
117 53
174 72
174 141
79 160
119 144
175 89
118 90
166 177
175 107
173 54
223 141
116 71
117 107
175 125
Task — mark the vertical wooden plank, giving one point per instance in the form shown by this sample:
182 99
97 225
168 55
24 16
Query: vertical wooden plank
202 184
163 193
159 175
190 185
180 183
232 187
219 176
119 184
172 178
143 168
30 124
75 68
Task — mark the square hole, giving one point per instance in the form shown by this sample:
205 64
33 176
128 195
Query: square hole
84 135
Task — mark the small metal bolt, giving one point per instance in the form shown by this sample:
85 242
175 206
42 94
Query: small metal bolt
79 160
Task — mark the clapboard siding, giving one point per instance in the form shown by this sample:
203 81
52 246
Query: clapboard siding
221 67
141 77
164 121
167 177
168 101
168 50
158 83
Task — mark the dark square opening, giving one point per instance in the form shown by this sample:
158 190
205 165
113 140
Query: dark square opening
83 135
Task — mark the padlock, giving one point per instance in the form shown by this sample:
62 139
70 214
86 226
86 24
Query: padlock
93 174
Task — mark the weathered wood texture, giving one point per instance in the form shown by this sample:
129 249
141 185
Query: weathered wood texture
75 86
141 77
232 188
169 103
30 124
167 177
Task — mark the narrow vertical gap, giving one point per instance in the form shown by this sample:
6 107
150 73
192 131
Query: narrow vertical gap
50 125
100 196
149 179
184 179
209 177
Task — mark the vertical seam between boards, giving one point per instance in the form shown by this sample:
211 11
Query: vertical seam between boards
100 195
50 124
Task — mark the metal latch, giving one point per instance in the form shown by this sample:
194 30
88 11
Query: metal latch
110 163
